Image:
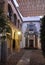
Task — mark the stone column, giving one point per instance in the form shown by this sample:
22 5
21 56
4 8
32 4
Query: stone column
0 48
4 51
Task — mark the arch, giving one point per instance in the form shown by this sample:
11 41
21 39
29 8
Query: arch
9 30
9 37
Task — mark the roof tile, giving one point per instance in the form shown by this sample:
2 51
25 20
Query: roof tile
31 7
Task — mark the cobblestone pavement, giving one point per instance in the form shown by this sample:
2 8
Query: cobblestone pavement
37 58
25 60
32 57
27 57
15 57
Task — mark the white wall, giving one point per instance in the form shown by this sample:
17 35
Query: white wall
39 43
37 24
22 43
24 26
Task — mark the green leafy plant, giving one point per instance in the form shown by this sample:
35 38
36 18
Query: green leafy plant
4 27
42 35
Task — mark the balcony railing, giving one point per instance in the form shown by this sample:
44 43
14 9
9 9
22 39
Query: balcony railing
31 32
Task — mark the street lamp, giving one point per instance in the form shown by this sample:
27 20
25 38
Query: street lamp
19 39
19 33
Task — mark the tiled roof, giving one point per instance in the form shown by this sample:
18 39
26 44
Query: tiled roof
31 7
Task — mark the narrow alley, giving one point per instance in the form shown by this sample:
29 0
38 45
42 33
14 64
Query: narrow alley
22 32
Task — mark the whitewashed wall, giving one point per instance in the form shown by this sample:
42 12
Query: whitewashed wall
24 26
37 24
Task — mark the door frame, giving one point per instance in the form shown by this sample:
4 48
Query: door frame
31 41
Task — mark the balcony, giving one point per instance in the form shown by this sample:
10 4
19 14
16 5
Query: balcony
31 32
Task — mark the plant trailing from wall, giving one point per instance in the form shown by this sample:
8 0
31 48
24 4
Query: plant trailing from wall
4 27
2 21
42 35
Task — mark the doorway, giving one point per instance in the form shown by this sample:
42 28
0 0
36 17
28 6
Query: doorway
13 44
30 43
26 42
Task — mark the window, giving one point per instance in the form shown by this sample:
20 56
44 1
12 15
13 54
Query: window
15 19
9 12
18 23
30 29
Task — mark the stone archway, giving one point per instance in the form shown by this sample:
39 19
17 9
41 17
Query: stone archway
9 38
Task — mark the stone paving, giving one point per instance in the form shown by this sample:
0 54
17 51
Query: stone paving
37 58
25 60
27 57
15 57
32 57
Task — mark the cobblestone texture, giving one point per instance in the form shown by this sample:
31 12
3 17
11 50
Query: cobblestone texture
34 57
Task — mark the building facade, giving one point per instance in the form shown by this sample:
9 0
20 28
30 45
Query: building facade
31 34
14 16
31 11
13 38
24 22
